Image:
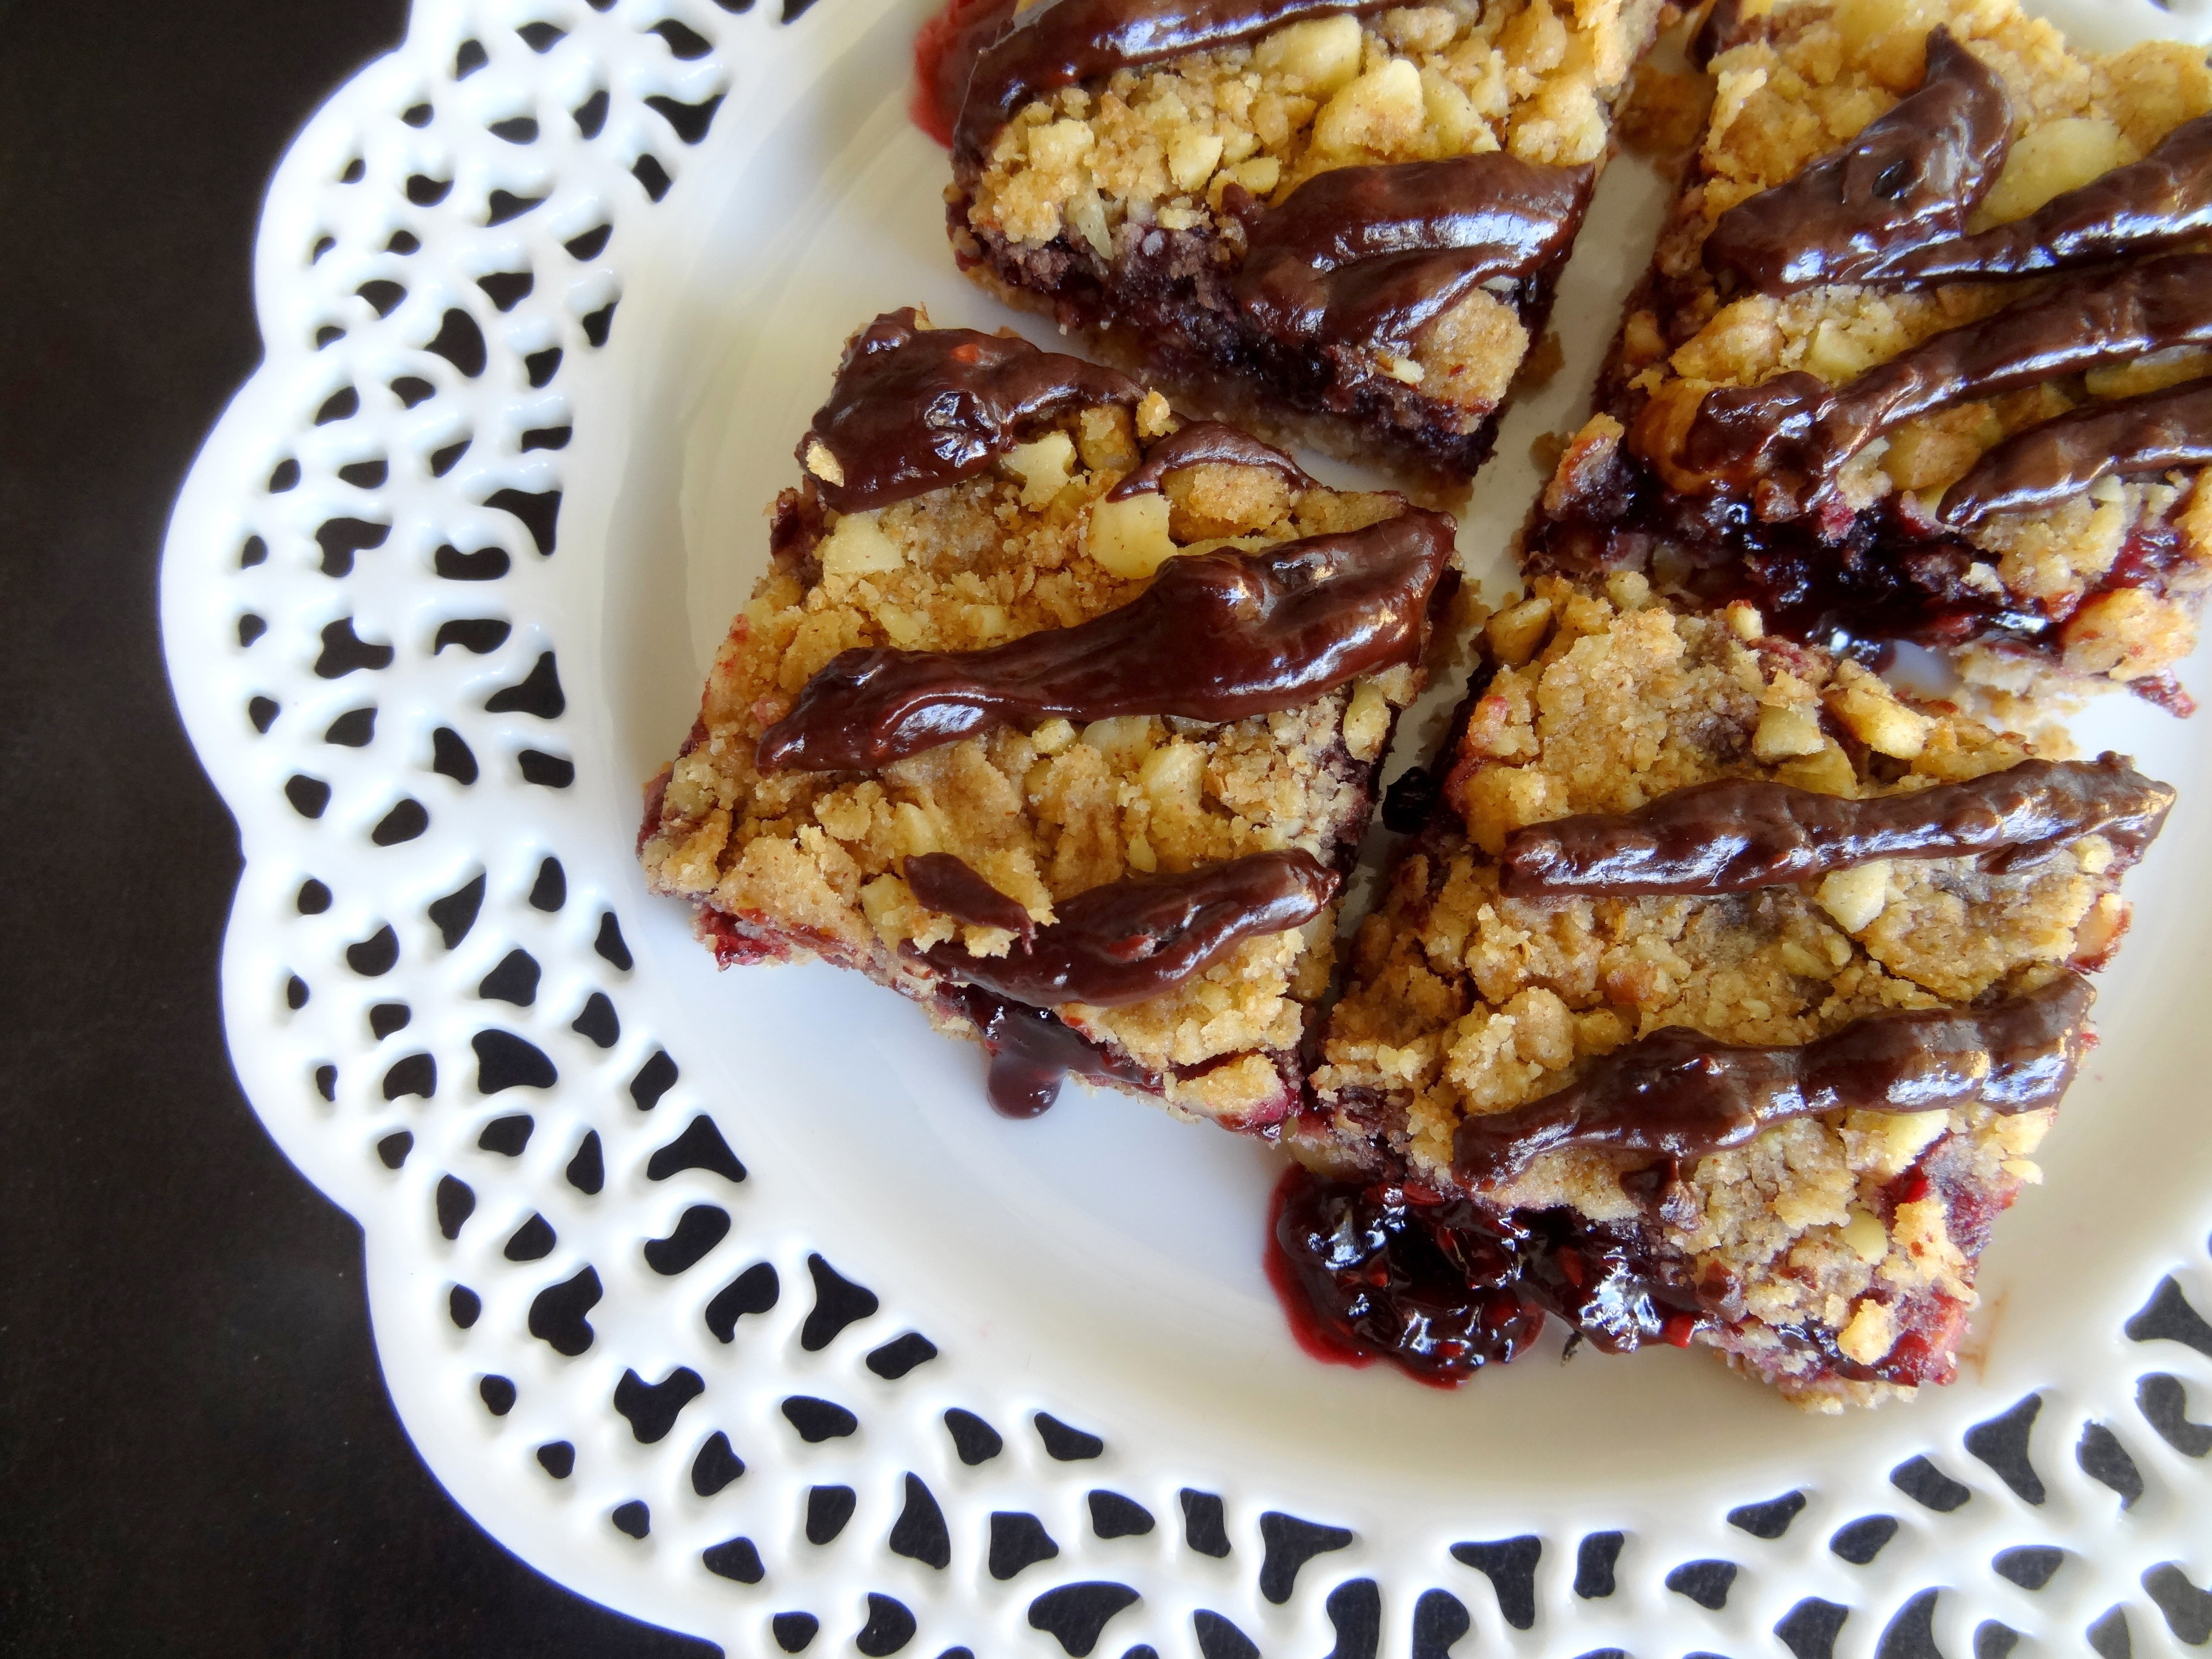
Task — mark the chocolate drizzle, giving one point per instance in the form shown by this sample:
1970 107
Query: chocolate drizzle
1217 636
2149 206
1139 938
1786 439
1369 255
1061 43
950 886
2061 457
1734 833
1202 442
1680 1094
1909 178
1033 1050
914 408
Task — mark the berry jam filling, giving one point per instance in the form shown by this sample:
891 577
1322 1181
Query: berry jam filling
1441 1289
1880 579
1852 583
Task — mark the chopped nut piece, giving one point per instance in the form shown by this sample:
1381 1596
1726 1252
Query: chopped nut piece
1130 538
823 465
1855 897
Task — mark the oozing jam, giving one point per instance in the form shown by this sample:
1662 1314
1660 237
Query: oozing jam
1442 1289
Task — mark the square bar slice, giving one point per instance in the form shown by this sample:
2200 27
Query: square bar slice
1922 355
1497 1011
1005 726
1335 224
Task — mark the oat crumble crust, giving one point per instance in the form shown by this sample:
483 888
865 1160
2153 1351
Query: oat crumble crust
794 864
1805 78
1112 187
1461 1001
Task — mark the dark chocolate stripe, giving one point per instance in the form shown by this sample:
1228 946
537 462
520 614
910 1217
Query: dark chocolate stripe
1679 1094
952 887
1367 255
2148 207
1909 178
1033 1050
1208 442
1139 938
1735 834
1785 438
914 408
1061 43
1216 637
2047 464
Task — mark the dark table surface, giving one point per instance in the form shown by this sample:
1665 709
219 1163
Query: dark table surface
197 1453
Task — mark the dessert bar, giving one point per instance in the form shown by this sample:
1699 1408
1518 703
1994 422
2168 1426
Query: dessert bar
1057 713
1339 224
1924 354
1724 996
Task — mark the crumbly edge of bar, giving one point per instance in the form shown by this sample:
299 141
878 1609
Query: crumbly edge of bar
1803 80
1105 205
1334 400
1462 1001
791 865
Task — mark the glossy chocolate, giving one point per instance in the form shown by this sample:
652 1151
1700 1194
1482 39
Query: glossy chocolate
1784 441
950 886
1909 178
1734 833
1680 1094
914 408
2155 204
1203 442
1367 255
1033 1050
2048 464
1139 938
1216 637
1060 43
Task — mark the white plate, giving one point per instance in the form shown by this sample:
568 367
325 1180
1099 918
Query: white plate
1101 1264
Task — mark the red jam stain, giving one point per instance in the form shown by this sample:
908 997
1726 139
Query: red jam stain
944 51
1318 1339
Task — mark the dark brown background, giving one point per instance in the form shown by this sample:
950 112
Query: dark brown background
196 1453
